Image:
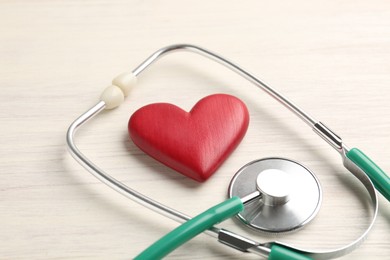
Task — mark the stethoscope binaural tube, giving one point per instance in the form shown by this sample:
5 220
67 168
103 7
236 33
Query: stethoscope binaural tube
353 160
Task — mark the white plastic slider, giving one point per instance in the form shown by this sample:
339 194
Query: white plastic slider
115 94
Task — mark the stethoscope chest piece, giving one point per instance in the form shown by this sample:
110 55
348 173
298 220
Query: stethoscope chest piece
283 194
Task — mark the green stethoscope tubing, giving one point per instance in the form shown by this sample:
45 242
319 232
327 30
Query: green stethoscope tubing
354 160
379 178
202 222
192 228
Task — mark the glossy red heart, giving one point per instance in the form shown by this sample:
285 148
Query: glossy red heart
193 143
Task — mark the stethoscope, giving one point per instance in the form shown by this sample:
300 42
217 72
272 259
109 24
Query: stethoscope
263 186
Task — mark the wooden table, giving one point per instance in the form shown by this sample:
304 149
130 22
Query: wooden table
331 57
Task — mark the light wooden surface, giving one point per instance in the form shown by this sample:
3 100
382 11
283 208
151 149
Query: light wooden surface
330 57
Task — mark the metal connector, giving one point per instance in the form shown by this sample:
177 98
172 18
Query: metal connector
242 243
329 136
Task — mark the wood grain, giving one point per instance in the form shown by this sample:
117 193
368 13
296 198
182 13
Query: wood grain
330 57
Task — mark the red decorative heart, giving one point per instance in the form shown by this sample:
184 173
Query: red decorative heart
195 143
